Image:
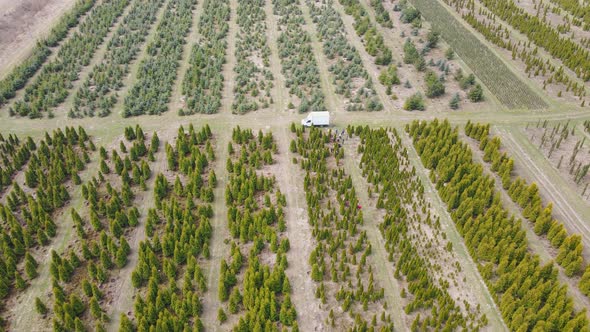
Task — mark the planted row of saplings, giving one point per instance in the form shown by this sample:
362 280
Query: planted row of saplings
400 194
27 217
20 75
340 261
97 95
52 85
528 294
298 63
81 275
169 277
158 70
569 247
256 286
350 77
203 81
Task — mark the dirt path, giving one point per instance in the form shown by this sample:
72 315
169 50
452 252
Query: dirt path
227 96
537 245
218 248
384 270
333 104
310 314
177 99
279 91
21 314
568 206
124 291
468 266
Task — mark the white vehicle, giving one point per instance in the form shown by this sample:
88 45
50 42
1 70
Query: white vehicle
316 119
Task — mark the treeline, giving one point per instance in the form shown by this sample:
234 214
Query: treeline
20 75
158 70
27 217
81 275
348 68
569 247
400 193
52 85
169 275
203 81
97 93
298 63
528 294
341 249
253 76
256 286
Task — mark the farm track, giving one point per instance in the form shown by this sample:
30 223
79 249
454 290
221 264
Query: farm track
479 287
125 292
21 313
227 96
177 99
279 91
333 103
384 269
220 232
537 245
311 316
568 205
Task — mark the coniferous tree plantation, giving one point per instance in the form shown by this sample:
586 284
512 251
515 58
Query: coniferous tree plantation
294 165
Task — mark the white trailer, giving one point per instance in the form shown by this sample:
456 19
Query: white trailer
316 119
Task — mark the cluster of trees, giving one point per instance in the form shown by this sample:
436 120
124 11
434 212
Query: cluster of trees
253 80
82 273
578 10
168 272
363 26
528 294
339 260
27 216
13 156
298 63
347 68
256 220
381 14
574 56
20 75
529 199
484 22
96 95
51 87
203 81
400 193
157 71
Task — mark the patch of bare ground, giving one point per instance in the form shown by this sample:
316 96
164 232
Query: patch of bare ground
22 23
538 245
567 152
